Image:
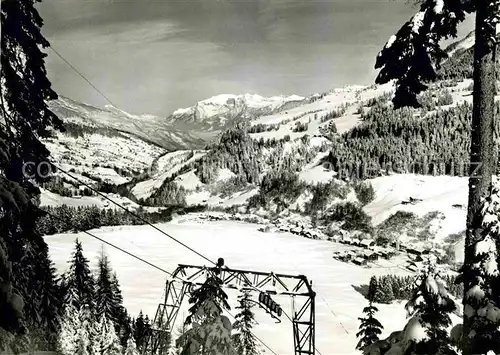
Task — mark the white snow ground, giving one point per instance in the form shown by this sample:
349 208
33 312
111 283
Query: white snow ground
438 193
338 305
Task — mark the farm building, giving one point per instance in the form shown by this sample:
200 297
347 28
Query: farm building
335 238
356 242
359 261
414 250
370 256
385 252
347 240
367 243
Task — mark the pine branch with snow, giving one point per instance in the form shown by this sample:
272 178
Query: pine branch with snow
412 55
430 309
210 332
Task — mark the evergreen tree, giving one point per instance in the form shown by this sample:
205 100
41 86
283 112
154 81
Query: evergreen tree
131 347
384 293
79 305
122 319
140 330
483 297
68 335
410 57
24 116
78 280
106 342
370 327
430 308
83 341
244 341
210 332
105 297
181 340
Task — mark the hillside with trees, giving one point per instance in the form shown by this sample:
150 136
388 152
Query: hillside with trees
400 141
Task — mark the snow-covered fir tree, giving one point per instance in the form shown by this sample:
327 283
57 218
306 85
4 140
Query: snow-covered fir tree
28 289
430 309
370 328
141 330
181 338
131 347
106 341
109 300
482 300
122 319
68 334
383 292
426 331
244 341
78 321
210 330
105 299
410 58
78 281
83 342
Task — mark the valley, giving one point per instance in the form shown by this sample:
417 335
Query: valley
366 191
338 304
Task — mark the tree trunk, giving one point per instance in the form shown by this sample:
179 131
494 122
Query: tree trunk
482 149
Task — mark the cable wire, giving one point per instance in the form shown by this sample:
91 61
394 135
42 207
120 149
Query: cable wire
82 76
154 266
122 207
131 213
127 210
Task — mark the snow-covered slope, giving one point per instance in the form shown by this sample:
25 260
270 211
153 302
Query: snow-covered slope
464 43
168 165
445 194
113 158
338 304
146 127
225 110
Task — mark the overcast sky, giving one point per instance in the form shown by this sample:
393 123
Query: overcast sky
154 56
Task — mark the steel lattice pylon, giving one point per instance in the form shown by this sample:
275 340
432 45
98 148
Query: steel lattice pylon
187 276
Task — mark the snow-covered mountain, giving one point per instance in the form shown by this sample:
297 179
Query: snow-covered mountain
149 128
464 43
223 111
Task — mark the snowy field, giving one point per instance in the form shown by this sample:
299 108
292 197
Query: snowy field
438 193
338 305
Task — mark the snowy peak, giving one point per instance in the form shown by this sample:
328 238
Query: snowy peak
147 127
224 110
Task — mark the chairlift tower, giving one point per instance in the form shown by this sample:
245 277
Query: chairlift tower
186 277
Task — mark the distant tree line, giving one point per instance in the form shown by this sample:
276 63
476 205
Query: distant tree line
78 130
400 288
336 113
300 127
397 140
260 127
68 218
249 158
168 194
323 194
279 188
